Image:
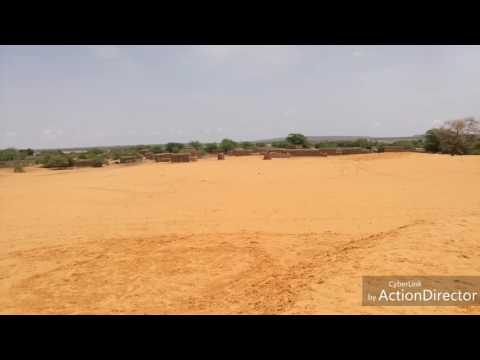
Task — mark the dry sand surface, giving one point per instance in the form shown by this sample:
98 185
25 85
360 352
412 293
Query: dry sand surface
240 236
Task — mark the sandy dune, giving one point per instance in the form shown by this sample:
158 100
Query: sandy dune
236 236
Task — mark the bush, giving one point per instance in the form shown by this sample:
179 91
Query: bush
56 160
432 141
211 148
280 144
406 144
196 145
8 154
157 149
94 151
99 160
117 153
18 168
246 145
174 147
325 144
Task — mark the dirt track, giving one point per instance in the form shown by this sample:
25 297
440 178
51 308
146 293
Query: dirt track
236 236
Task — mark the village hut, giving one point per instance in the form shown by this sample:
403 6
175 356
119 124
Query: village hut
181 157
165 157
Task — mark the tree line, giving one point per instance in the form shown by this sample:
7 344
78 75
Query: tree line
455 137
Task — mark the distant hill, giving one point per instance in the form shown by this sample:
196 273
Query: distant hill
316 139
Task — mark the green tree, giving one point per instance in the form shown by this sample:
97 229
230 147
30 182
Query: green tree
99 160
432 141
8 154
297 139
157 149
211 147
246 145
363 143
197 145
23 153
174 147
459 136
227 145
280 144
95 151
58 160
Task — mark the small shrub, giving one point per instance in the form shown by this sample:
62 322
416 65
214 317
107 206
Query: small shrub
174 147
211 147
325 144
18 168
196 145
157 149
8 154
99 160
280 144
246 145
58 161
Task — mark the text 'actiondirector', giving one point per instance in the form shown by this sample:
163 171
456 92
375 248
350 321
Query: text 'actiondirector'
421 290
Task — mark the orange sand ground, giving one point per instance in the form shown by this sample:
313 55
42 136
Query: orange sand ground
240 236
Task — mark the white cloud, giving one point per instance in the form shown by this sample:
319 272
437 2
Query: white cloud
11 133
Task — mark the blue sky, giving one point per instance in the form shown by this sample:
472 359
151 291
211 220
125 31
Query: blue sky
65 96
